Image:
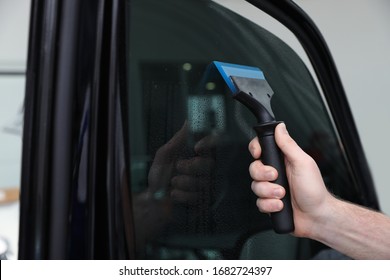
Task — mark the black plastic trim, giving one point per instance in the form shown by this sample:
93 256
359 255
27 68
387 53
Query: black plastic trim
40 80
73 159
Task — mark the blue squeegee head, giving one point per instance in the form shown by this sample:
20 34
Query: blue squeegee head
227 70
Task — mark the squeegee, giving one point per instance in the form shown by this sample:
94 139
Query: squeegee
248 85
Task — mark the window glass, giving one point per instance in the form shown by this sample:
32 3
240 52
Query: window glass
189 162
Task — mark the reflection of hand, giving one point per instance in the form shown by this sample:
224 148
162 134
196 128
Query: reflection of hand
193 179
163 167
173 177
186 180
152 209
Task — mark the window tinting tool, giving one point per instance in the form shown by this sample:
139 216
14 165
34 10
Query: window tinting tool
249 86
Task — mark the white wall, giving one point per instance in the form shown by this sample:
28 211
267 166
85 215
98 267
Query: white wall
14 21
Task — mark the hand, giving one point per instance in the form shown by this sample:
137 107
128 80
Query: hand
309 196
184 179
153 207
193 180
173 177
164 163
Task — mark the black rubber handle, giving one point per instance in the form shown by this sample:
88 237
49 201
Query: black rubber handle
282 221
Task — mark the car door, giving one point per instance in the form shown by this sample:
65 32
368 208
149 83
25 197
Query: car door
126 154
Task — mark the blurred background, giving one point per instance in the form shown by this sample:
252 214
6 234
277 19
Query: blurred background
357 32
14 22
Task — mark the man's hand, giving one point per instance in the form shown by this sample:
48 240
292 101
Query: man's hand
308 192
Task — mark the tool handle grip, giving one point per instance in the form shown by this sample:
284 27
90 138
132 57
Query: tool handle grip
282 221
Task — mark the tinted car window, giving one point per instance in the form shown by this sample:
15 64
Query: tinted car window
189 180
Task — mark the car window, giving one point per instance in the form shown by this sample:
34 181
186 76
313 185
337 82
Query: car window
189 180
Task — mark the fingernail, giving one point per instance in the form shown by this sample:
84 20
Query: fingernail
251 148
278 193
270 175
278 205
283 128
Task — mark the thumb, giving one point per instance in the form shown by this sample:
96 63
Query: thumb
170 151
160 173
287 145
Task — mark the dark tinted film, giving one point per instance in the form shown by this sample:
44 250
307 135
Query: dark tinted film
189 162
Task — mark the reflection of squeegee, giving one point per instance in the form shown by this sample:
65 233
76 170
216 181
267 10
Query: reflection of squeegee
248 85
9 195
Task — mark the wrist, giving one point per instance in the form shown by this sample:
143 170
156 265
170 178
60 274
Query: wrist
327 219
318 222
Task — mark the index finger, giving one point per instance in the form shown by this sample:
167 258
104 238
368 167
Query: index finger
254 148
